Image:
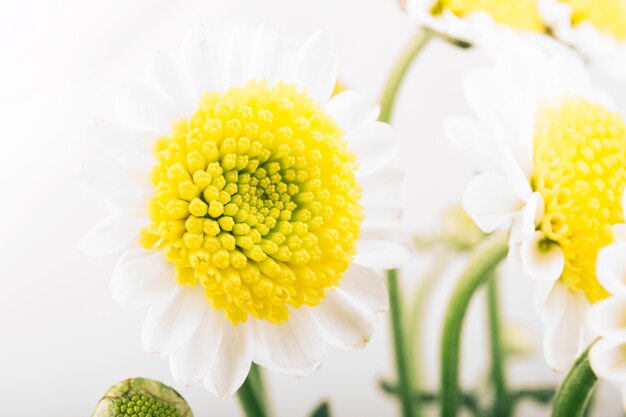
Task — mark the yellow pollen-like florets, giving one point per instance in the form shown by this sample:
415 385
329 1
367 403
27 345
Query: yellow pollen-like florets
518 14
256 201
608 16
580 170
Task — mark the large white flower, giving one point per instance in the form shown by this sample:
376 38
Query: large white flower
477 21
596 28
251 210
552 155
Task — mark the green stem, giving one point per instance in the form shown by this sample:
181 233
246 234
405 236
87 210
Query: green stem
256 376
399 71
484 258
574 395
501 407
250 396
402 362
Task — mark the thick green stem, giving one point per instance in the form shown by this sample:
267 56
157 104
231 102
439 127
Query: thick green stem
501 406
399 344
399 71
575 393
482 261
251 395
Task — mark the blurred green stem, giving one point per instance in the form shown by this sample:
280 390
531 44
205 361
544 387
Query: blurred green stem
502 405
398 72
482 261
573 397
251 395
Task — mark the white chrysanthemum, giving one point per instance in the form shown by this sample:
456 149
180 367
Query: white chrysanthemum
552 154
250 208
477 21
596 28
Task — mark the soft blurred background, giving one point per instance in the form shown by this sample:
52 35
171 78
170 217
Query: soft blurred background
63 341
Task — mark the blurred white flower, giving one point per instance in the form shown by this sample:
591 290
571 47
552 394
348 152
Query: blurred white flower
477 21
249 207
596 28
551 150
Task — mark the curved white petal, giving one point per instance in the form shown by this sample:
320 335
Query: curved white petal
375 145
173 320
542 264
141 106
232 361
352 109
383 245
490 201
475 139
295 347
169 72
192 362
113 234
273 60
131 149
611 268
200 55
607 358
381 187
344 322
140 278
367 287
527 219
608 317
317 67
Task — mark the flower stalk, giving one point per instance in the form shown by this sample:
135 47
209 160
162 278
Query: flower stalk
502 405
251 395
574 396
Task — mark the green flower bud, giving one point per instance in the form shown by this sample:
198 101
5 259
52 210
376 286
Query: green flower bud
140 397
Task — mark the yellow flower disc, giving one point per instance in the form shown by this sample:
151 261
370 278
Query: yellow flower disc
518 14
256 201
580 170
608 16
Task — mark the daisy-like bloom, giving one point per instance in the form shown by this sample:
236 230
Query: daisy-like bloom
476 21
596 28
608 355
250 208
552 154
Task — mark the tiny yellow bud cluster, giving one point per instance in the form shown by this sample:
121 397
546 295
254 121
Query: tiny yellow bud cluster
256 200
580 170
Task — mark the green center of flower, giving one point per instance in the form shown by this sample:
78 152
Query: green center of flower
608 16
140 405
518 14
580 170
256 200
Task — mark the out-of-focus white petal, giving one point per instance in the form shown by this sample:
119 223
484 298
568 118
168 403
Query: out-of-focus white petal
375 145
367 287
539 262
113 234
200 56
383 245
607 358
352 109
317 67
143 107
525 221
169 72
475 139
140 278
608 317
611 268
490 201
172 321
131 149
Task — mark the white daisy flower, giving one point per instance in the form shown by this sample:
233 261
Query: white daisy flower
251 210
596 28
477 21
552 154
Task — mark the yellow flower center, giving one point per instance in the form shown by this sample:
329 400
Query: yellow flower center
518 14
580 170
608 16
256 201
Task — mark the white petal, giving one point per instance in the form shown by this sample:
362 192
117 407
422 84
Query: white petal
129 148
141 106
525 221
171 322
607 358
514 173
608 317
619 232
115 233
317 67
192 361
295 347
563 316
375 145
200 55
352 109
272 60
542 264
611 268
367 287
345 323
236 57
381 187
490 200
232 361
383 245
169 73
140 278
473 138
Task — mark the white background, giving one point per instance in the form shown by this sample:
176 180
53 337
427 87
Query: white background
62 339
